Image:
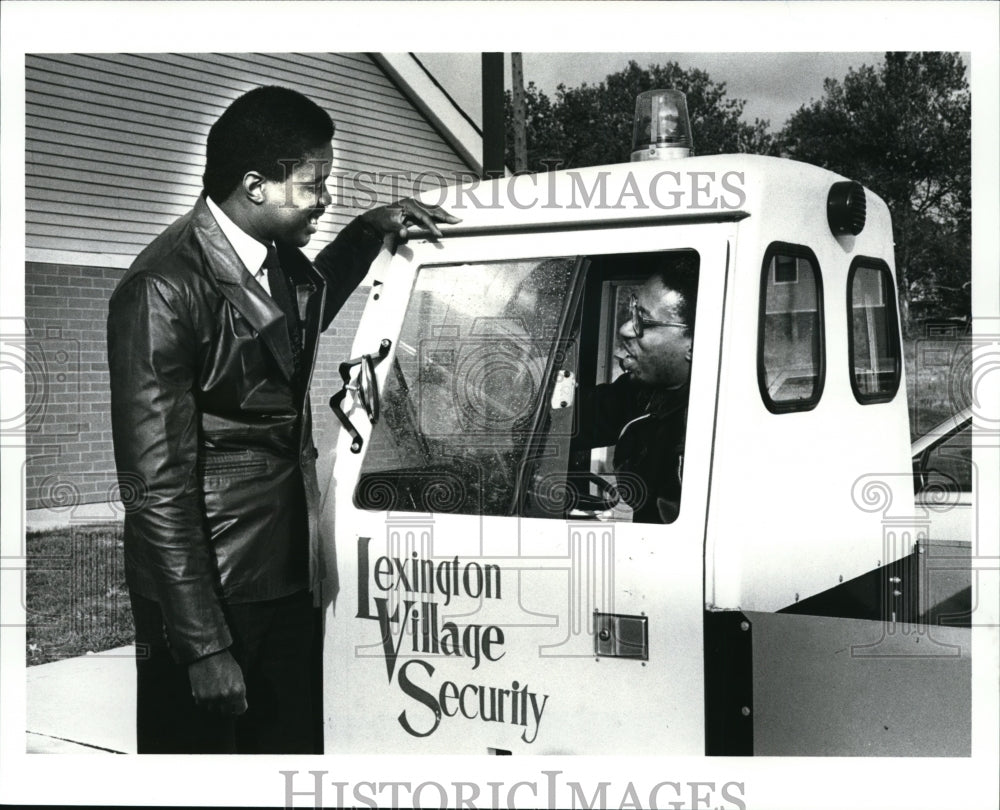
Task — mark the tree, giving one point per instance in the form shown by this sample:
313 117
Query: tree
591 125
904 130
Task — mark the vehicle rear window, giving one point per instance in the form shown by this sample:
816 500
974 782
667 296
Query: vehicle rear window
874 335
790 342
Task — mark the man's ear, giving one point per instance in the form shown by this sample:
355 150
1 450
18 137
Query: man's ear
253 187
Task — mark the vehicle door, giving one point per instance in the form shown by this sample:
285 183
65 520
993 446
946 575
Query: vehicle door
492 592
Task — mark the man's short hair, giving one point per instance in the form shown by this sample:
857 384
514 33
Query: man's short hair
257 132
678 271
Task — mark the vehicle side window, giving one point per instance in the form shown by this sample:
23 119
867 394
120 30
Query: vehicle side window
790 340
627 453
874 334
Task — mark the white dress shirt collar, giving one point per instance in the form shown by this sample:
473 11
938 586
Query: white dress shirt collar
251 252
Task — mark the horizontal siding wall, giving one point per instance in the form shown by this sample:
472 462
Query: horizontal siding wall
116 142
115 150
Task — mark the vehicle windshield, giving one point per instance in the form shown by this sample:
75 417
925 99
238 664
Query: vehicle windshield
464 385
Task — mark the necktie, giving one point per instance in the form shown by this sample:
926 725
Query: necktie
261 279
282 296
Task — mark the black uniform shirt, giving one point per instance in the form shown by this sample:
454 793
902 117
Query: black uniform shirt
646 426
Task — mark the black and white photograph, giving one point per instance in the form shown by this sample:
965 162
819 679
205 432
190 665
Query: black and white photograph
392 387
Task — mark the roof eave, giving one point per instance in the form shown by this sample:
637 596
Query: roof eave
424 92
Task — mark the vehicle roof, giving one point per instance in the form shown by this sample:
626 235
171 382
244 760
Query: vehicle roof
712 187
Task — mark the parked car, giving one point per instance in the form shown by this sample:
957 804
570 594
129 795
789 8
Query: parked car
942 459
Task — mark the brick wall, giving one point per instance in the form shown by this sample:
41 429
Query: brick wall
69 455
70 459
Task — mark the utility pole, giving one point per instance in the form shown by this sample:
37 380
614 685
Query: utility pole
493 129
517 104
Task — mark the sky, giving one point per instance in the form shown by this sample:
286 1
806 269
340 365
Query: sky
774 85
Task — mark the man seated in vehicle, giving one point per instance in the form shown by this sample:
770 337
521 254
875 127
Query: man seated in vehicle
643 413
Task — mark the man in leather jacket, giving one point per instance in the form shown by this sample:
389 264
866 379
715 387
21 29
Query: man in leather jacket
643 413
212 336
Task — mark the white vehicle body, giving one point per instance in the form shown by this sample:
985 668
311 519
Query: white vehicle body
452 631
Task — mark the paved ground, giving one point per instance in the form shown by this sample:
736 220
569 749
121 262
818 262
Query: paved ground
38 520
83 705
87 704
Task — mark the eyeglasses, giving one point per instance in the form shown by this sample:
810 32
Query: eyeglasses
639 323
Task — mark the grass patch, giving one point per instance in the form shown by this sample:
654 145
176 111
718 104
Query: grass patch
75 596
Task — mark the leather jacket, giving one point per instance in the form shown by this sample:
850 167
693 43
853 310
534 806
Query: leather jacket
212 427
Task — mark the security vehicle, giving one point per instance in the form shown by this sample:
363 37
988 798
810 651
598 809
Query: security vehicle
492 590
